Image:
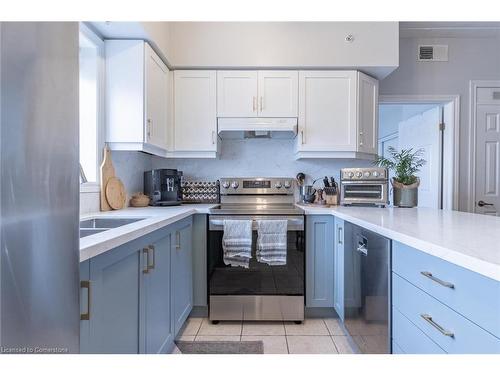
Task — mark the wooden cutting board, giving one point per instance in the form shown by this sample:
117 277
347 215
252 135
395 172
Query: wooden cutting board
115 193
107 172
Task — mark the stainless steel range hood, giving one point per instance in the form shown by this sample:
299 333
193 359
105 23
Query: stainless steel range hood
258 127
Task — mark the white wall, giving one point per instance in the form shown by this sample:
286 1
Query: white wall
256 157
469 59
286 44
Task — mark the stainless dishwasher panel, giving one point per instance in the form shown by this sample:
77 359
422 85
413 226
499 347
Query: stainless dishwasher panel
367 289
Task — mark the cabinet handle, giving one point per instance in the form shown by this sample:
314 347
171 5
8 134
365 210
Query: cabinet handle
429 320
177 240
153 257
85 284
213 137
145 251
340 241
302 139
439 281
261 104
254 103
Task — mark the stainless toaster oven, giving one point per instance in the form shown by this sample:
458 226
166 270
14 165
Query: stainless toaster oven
364 186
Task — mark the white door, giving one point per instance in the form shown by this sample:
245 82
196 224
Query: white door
327 111
422 132
367 114
237 93
195 116
278 93
156 82
488 159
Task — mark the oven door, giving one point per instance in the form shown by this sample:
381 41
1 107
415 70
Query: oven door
364 192
259 292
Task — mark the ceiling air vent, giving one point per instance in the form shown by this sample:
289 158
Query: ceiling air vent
433 53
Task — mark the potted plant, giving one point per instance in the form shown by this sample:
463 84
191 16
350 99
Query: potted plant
405 164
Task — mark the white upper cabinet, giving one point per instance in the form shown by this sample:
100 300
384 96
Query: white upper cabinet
338 113
156 87
367 114
136 97
242 93
195 113
237 93
278 93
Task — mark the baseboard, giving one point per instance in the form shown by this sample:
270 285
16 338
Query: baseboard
199 312
320 312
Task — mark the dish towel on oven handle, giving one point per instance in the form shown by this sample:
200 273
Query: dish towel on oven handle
271 242
237 242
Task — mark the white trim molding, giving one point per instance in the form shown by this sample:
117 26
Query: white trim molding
473 86
452 131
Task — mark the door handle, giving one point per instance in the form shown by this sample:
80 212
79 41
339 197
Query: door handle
85 284
177 240
153 257
145 251
483 203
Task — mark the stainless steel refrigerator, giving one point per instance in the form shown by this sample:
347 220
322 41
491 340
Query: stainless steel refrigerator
39 187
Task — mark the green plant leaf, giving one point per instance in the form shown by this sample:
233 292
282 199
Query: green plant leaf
405 164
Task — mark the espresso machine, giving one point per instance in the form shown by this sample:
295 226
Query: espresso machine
163 186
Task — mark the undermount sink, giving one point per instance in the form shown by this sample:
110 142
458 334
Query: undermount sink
92 226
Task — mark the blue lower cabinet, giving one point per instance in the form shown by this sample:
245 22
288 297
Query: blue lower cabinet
182 273
444 326
338 284
319 260
135 298
157 333
114 289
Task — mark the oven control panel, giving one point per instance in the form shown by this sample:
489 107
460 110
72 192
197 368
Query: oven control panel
257 185
363 174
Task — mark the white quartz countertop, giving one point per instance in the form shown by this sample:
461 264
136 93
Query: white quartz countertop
154 219
468 240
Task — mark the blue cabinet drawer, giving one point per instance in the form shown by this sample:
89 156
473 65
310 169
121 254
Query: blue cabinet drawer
450 330
410 339
472 295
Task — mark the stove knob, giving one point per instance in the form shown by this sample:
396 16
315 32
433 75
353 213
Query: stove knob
351 174
376 174
359 174
235 184
287 185
367 174
225 184
277 185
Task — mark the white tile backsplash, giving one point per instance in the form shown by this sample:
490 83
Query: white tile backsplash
257 157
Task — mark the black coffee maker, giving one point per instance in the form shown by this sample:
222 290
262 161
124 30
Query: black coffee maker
163 186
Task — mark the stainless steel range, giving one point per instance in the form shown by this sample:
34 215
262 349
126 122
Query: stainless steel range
261 291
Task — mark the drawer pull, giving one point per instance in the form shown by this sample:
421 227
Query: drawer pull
429 320
439 281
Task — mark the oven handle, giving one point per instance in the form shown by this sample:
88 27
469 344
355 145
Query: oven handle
293 224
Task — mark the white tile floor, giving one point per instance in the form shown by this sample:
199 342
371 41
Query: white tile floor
314 336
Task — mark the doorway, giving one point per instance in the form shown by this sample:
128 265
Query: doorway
427 124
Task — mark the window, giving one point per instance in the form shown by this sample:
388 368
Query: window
91 105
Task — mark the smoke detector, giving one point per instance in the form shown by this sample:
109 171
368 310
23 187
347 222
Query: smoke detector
432 52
